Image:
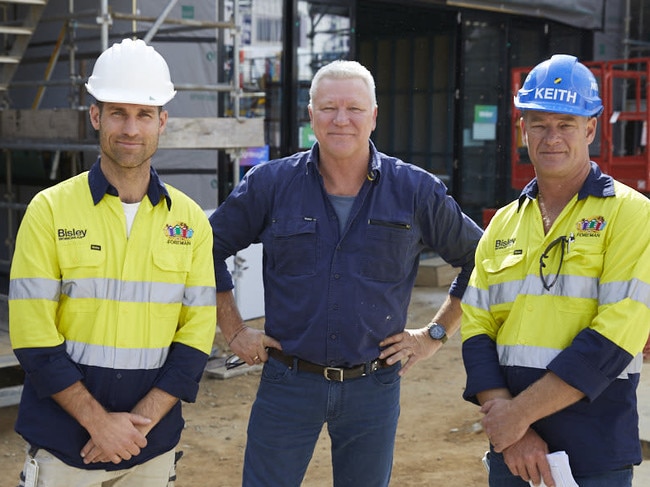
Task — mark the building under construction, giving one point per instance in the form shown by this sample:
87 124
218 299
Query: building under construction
445 73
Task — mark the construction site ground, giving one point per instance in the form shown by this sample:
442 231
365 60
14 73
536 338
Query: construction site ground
439 438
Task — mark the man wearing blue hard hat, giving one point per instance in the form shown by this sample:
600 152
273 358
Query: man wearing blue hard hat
558 306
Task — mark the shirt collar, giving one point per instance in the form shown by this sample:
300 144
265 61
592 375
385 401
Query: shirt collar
597 184
99 186
374 164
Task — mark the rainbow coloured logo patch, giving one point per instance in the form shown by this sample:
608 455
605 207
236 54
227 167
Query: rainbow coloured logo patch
179 233
591 225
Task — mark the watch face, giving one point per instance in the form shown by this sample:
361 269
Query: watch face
437 332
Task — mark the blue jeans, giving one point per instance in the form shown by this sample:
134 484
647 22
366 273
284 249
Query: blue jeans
500 476
288 416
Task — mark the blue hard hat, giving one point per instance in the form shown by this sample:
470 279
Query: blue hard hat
560 85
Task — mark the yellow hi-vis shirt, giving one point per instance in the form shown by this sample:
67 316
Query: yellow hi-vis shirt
121 302
603 281
122 315
586 318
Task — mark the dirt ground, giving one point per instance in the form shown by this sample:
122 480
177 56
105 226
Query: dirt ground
439 440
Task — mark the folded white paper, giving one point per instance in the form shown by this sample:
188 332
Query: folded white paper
560 470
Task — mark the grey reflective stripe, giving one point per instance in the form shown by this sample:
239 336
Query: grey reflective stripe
573 287
125 291
116 358
112 289
35 288
200 296
568 286
478 298
613 292
507 292
526 356
540 357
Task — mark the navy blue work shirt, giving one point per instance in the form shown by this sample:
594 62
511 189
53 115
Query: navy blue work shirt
332 296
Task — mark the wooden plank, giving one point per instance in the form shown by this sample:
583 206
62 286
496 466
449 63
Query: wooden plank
66 125
61 124
17 31
212 133
27 2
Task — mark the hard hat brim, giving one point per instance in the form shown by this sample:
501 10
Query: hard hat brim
557 108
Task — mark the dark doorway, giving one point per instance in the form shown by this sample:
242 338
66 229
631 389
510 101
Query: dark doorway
411 53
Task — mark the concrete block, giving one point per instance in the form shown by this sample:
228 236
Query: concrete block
435 272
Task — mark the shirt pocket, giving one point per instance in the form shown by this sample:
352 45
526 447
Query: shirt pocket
171 266
387 250
583 261
169 275
581 271
504 268
83 280
295 247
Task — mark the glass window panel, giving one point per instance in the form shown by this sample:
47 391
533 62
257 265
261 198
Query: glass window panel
401 115
324 35
402 64
422 69
383 74
421 131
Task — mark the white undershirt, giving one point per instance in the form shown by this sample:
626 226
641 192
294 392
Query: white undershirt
130 209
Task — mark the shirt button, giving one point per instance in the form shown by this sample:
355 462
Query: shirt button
335 307
332 337
118 375
337 276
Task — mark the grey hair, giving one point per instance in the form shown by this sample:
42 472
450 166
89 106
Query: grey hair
342 69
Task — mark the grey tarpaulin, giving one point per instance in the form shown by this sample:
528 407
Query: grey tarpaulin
585 14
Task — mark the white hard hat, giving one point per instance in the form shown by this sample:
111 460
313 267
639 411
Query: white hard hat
131 72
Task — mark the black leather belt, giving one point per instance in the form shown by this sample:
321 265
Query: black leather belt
338 374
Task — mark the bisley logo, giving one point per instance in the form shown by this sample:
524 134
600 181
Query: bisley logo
70 233
503 244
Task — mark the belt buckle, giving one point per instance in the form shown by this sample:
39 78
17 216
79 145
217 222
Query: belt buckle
336 370
374 366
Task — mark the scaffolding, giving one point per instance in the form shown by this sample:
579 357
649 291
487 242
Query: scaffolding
66 130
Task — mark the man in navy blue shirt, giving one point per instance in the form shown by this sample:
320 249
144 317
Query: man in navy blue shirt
342 227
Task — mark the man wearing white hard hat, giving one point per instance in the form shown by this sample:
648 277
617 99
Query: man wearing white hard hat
112 297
